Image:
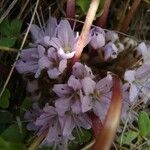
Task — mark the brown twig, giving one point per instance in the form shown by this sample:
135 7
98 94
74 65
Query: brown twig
85 30
102 20
106 136
128 18
70 11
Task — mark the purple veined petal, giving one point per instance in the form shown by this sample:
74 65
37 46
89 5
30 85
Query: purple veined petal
88 85
86 103
23 67
133 93
76 107
64 55
104 85
89 72
65 33
41 51
129 76
100 108
51 27
43 62
26 54
143 72
55 42
68 125
84 121
110 51
74 83
36 32
53 73
62 105
141 49
46 40
62 65
52 54
62 90
97 38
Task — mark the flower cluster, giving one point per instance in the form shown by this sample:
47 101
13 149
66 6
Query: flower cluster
81 91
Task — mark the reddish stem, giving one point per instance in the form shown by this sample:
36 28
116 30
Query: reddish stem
107 133
102 20
128 18
85 30
70 11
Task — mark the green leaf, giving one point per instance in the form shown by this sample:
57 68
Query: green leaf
15 27
8 42
4 101
128 137
12 134
144 123
26 105
84 5
5 145
10 29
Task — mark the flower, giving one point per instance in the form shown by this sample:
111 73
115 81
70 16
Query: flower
31 116
69 96
43 36
65 40
28 62
69 121
53 63
110 51
97 36
81 71
97 96
111 36
49 122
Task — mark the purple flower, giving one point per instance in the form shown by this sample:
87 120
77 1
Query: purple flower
97 36
53 63
81 71
65 41
31 116
110 51
69 96
28 62
70 121
49 121
43 36
97 96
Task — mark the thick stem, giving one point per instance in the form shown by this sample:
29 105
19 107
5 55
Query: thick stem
128 18
70 11
102 20
107 133
85 30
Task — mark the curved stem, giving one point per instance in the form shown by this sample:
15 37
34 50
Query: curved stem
85 30
107 133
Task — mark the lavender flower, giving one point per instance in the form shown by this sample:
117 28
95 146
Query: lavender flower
43 36
69 121
54 64
97 96
81 71
110 51
65 41
69 96
97 36
31 116
49 122
28 62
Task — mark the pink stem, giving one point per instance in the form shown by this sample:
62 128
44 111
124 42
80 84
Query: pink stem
107 133
85 30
